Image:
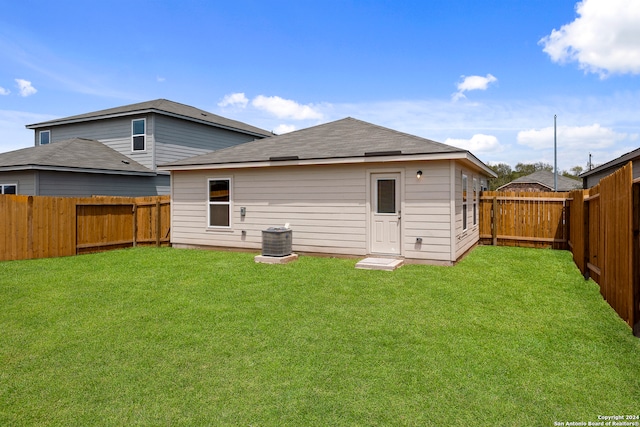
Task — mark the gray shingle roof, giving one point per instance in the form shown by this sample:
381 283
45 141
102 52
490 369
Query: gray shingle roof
160 106
345 138
615 163
73 154
546 178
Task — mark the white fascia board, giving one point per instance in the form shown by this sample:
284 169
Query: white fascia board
461 155
88 119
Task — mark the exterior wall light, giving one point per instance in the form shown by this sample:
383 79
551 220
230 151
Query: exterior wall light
419 174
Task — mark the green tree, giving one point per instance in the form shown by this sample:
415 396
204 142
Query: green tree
574 172
504 172
523 169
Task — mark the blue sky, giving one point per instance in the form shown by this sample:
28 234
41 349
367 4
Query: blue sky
485 76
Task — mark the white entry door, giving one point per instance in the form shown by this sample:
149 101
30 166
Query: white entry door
385 213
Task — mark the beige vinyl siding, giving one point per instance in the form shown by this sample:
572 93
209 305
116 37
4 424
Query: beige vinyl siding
324 206
178 139
26 181
114 133
427 212
327 207
465 239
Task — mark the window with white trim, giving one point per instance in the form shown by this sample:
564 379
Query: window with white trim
138 135
475 201
219 203
44 137
8 188
465 189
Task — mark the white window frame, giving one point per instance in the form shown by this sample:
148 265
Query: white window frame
2 187
465 198
229 204
134 135
475 201
42 132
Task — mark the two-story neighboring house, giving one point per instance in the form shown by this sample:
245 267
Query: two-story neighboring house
116 151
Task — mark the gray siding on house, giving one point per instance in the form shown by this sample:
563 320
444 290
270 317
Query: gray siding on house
593 180
114 133
26 181
176 139
168 139
52 183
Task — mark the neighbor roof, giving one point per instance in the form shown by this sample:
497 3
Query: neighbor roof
546 179
341 139
615 163
75 155
159 106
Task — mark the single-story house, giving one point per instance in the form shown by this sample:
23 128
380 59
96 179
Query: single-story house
541 181
344 188
592 177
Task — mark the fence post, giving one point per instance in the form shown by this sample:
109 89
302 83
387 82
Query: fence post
135 224
566 220
635 303
586 238
158 222
30 227
494 221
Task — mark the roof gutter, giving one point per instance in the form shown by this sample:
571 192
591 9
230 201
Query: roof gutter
368 158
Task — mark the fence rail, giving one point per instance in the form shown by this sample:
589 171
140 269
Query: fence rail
601 227
604 239
533 219
43 227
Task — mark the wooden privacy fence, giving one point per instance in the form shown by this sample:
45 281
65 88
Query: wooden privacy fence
532 219
44 227
604 240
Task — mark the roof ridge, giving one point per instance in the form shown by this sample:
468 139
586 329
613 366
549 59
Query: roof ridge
417 137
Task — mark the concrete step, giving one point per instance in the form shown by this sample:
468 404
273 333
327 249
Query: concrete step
388 264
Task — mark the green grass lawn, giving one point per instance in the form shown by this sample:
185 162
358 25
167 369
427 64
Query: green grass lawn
508 337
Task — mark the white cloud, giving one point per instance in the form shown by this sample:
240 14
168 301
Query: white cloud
4 91
14 134
604 39
573 137
280 129
478 143
285 108
160 79
234 100
26 89
473 83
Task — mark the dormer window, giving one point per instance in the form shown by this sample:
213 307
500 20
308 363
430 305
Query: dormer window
138 136
44 137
